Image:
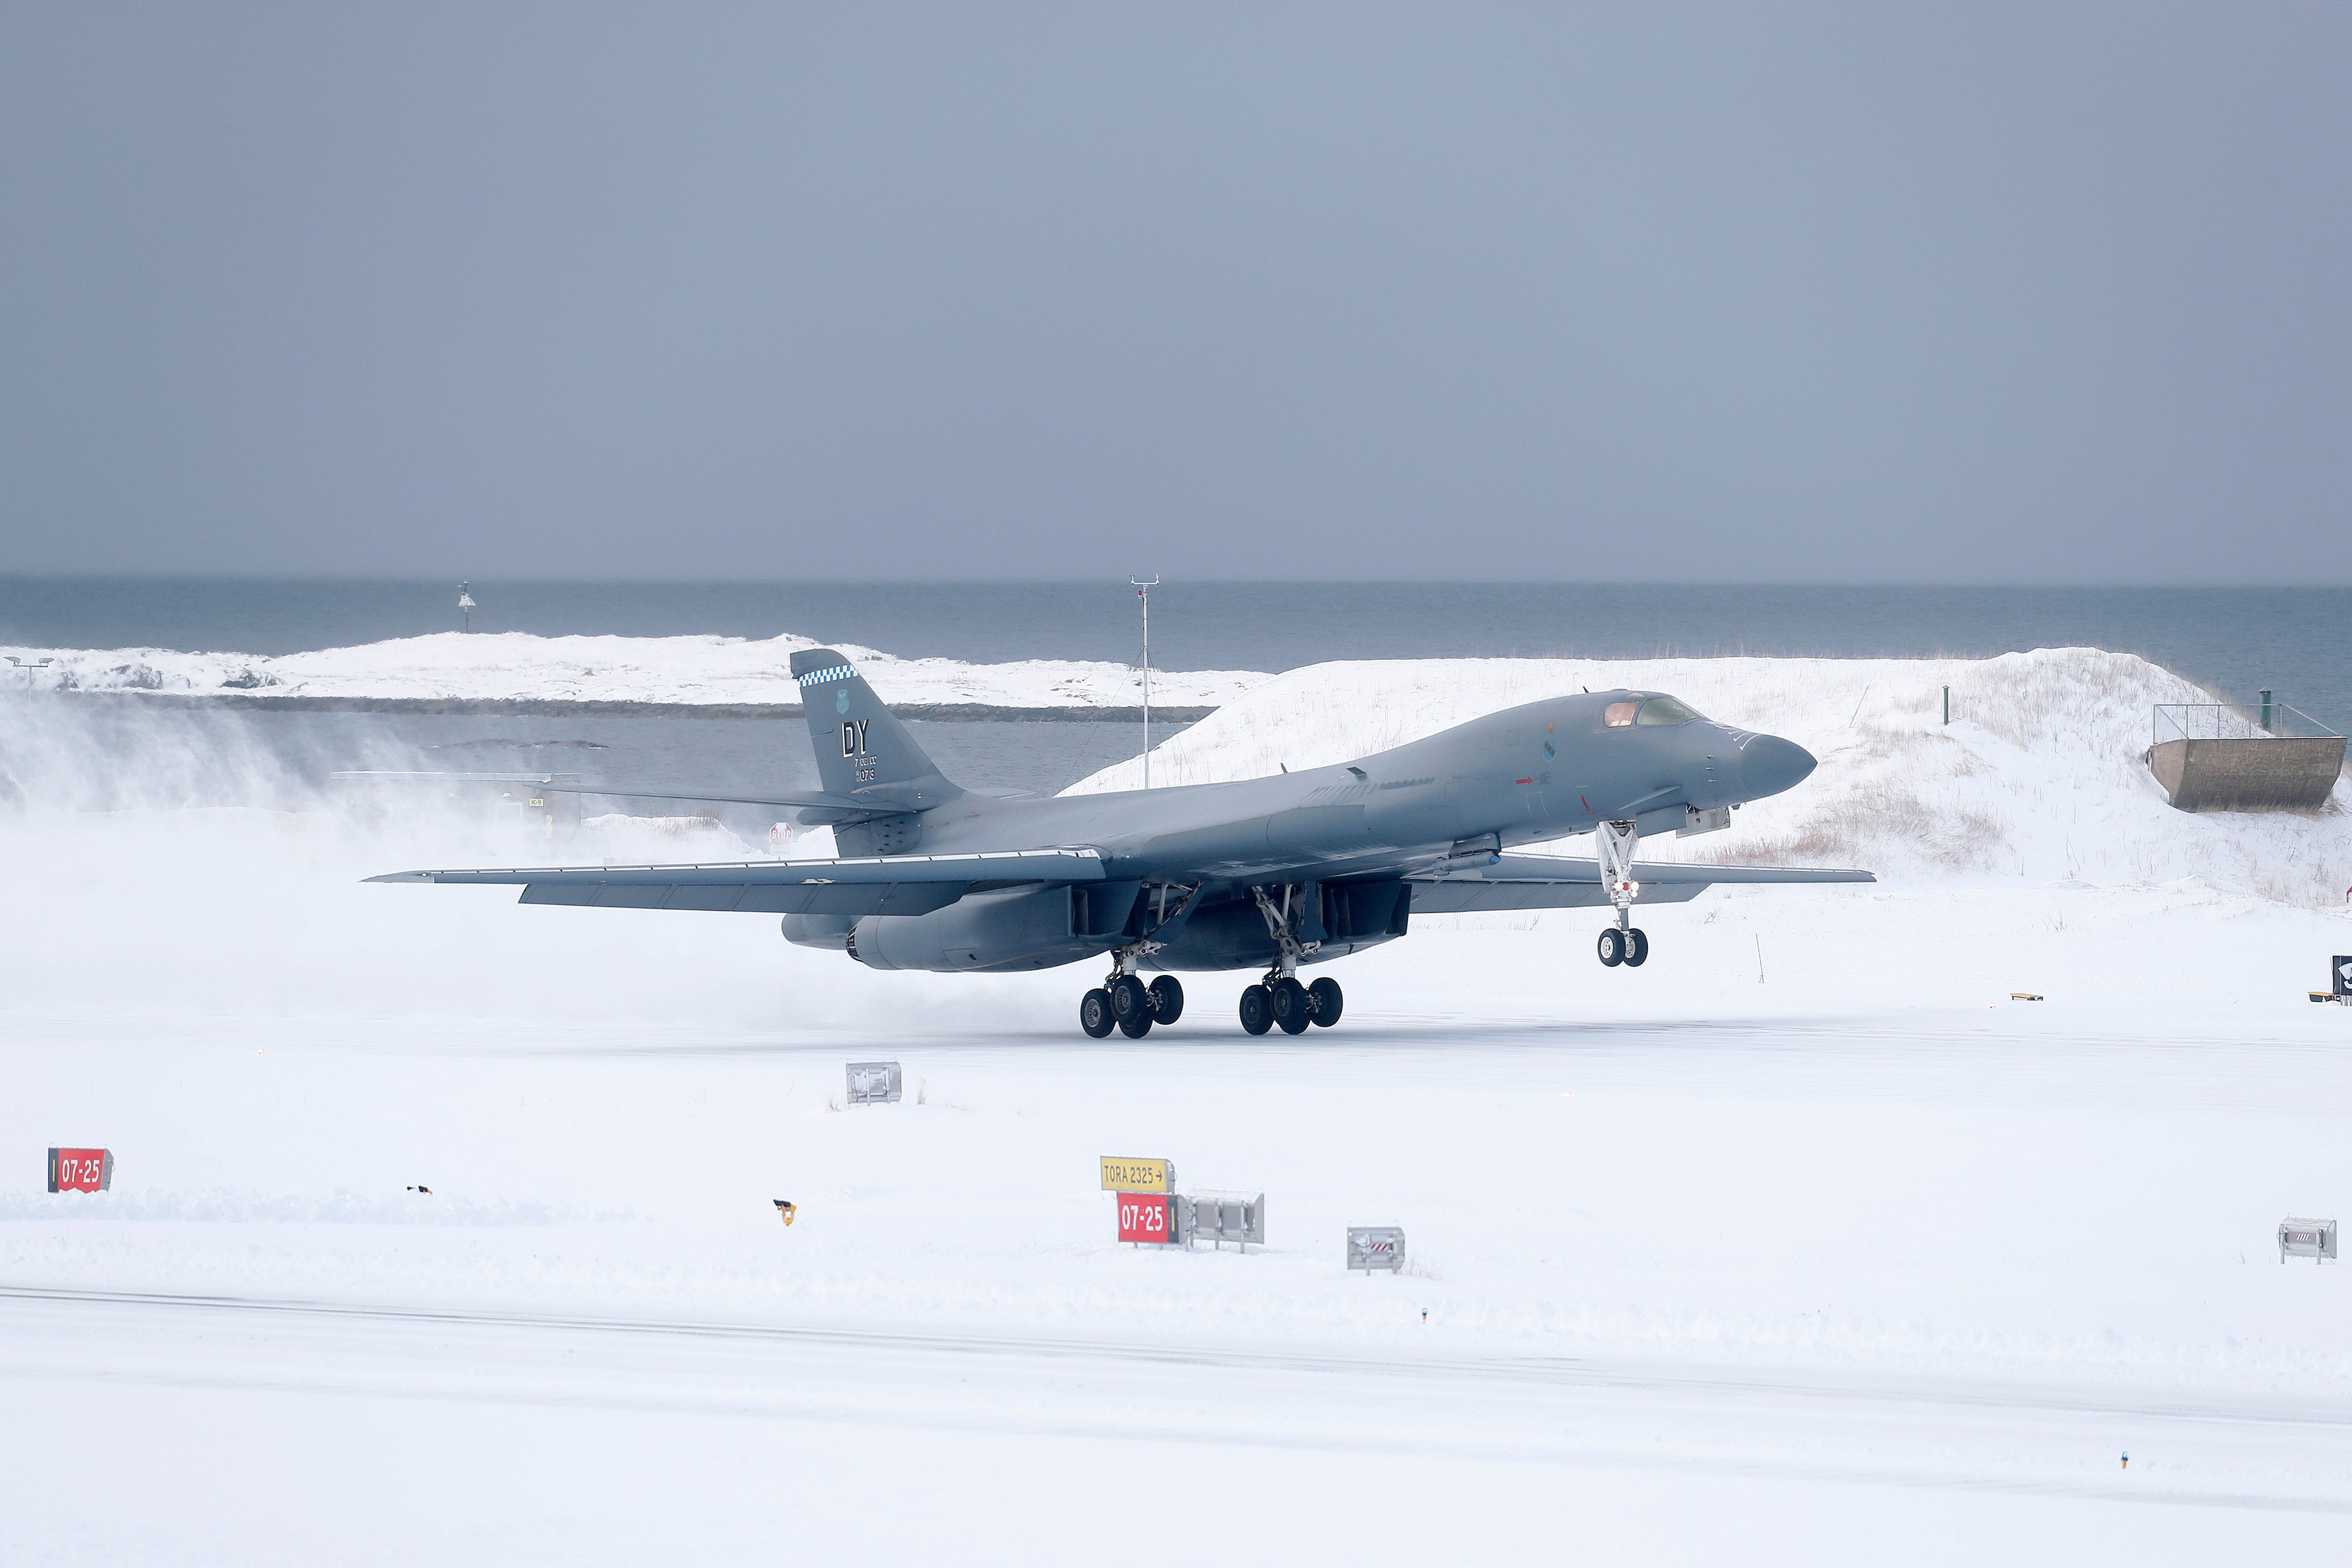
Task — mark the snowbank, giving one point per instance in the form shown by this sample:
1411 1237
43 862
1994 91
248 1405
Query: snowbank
2037 778
516 666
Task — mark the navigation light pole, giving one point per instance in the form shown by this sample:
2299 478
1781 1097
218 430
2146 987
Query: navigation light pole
1143 592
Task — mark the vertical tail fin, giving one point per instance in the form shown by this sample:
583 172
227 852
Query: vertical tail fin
862 749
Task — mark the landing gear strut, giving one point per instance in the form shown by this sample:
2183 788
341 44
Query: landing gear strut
1123 1001
1279 998
1622 943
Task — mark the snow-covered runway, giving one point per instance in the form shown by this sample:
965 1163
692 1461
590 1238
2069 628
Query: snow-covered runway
522 1438
1804 1242
1700 1286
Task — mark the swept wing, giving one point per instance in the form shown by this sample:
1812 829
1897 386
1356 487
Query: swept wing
870 885
1560 881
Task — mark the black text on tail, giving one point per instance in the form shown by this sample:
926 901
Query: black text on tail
862 749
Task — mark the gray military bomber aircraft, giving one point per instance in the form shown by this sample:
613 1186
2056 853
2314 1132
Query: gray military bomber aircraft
1263 873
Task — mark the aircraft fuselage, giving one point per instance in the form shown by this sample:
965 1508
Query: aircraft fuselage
1540 771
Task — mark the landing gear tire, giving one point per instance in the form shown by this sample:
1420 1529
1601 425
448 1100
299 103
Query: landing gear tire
1257 1010
1095 1015
1324 1001
1135 1026
1612 947
1638 948
1290 1004
1129 999
1167 999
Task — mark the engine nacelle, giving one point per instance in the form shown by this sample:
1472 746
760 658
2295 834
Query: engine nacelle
1029 927
827 931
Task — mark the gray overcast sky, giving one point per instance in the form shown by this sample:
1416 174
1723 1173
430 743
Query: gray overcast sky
1972 293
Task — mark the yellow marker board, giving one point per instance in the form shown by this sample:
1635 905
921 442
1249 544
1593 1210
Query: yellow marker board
1135 1176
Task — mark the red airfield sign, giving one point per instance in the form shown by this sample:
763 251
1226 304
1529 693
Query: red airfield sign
80 1170
1143 1216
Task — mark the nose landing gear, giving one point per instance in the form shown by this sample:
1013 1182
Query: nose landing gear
1622 942
1628 946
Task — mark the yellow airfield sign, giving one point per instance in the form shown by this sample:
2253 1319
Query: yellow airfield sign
1137 1175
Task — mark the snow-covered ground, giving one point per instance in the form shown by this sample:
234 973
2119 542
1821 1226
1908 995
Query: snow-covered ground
517 666
1803 1243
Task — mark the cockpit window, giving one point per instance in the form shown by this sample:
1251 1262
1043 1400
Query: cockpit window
1663 710
1617 715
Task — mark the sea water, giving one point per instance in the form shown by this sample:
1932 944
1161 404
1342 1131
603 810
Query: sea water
2296 641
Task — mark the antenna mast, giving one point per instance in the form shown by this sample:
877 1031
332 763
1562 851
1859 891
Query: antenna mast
1143 592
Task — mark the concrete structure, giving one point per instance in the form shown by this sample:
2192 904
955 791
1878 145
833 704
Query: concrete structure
2210 758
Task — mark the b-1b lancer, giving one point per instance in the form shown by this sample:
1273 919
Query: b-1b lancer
1264 873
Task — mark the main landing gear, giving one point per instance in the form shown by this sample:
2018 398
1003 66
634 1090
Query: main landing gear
1624 942
1279 998
1125 1003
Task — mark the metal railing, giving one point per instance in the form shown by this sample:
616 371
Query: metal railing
2221 721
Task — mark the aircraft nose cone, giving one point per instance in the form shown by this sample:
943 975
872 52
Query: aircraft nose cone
1768 764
